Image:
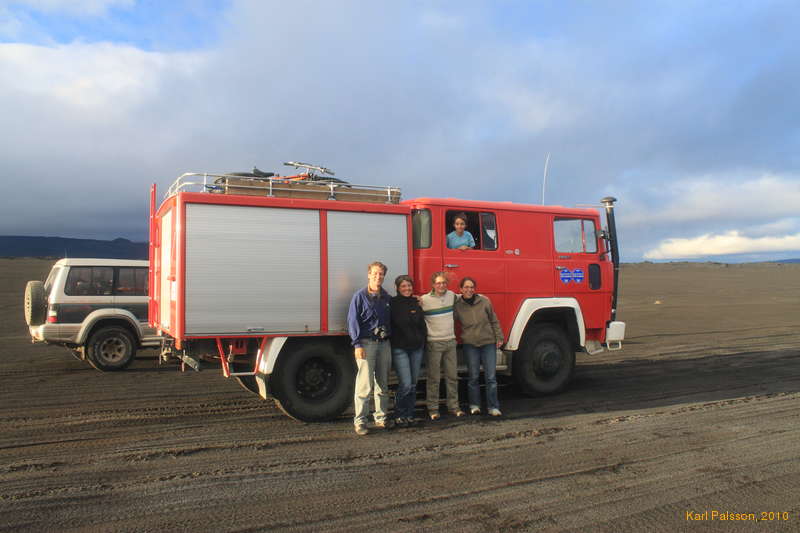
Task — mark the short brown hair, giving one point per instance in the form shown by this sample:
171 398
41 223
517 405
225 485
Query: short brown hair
466 279
462 216
439 274
377 264
400 279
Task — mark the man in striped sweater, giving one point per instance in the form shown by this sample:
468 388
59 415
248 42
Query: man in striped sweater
441 346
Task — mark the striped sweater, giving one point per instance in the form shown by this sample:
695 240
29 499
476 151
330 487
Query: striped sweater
439 315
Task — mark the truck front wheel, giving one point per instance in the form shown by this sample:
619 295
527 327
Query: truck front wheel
545 362
314 382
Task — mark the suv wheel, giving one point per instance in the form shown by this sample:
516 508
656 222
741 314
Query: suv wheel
35 303
110 348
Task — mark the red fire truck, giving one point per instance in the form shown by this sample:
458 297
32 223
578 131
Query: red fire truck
255 273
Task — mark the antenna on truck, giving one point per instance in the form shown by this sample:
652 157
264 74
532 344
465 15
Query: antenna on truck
544 178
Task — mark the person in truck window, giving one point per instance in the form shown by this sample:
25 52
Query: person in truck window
441 346
369 325
460 238
408 343
481 335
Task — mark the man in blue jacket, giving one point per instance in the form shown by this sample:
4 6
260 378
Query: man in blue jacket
368 321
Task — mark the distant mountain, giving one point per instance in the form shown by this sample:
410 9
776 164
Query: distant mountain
19 246
786 261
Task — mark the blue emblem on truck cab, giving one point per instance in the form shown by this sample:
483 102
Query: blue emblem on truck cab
577 275
566 275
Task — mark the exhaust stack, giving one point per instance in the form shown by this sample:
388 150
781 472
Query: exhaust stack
608 203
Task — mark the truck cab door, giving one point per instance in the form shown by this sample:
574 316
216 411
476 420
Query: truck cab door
581 268
484 263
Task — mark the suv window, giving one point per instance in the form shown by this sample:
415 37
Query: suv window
131 281
89 281
48 284
575 235
481 225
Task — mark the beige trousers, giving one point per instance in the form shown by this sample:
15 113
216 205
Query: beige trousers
440 354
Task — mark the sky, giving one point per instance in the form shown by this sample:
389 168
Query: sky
687 112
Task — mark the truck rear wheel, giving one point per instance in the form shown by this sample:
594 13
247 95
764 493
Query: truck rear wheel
35 303
110 348
545 361
314 383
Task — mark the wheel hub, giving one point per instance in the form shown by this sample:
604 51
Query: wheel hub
316 379
548 360
112 350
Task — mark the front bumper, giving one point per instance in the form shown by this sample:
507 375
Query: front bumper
615 334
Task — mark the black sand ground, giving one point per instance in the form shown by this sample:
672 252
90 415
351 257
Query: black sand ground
698 413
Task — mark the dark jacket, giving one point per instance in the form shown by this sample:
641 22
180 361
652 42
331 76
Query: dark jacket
408 323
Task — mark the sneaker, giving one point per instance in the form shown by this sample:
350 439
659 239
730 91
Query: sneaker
474 410
401 422
495 412
386 423
361 429
411 421
459 412
435 416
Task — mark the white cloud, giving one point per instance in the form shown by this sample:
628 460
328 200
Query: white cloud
707 198
729 243
103 79
75 7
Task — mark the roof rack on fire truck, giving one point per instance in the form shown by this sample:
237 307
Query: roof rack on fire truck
312 183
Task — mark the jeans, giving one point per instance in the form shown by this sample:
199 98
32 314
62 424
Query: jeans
442 354
485 355
406 366
373 372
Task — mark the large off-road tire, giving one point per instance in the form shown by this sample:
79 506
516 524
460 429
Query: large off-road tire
314 382
35 303
545 361
110 348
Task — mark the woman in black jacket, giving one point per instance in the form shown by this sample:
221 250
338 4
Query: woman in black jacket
408 343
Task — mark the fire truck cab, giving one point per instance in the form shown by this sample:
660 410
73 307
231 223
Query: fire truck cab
256 276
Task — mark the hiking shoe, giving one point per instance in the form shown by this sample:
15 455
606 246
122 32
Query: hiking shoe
361 429
435 416
474 410
495 412
386 423
459 412
401 422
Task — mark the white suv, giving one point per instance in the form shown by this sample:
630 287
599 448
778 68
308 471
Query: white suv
95 307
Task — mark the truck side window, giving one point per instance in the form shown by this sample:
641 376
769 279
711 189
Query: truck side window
421 226
488 231
575 236
482 227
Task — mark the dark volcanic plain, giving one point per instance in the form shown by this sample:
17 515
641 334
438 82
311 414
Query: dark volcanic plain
699 412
